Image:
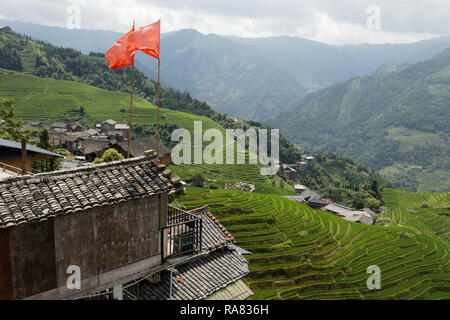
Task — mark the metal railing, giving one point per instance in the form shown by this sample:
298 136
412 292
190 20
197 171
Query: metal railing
184 232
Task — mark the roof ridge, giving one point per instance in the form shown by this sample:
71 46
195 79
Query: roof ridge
69 171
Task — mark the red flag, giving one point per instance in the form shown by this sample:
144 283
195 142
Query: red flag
121 53
147 39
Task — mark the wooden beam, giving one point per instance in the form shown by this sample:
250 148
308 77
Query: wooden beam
24 156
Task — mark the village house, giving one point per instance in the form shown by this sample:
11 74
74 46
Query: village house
240 186
11 158
112 213
75 128
33 125
111 125
138 147
215 273
299 188
290 171
365 216
309 161
122 128
113 222
302 165
59 127
107 125
309 197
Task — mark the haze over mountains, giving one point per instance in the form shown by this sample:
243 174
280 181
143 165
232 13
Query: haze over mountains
249 78
396 120
386 106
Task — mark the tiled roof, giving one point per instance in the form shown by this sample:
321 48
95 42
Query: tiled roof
121 126
236 291
198 279
35 198
13 145
214 234
94 146
338 208
139 146
59 125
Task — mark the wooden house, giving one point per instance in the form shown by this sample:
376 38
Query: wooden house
11 155
107 219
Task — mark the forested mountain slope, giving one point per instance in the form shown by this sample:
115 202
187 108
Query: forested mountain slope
250 78
397 122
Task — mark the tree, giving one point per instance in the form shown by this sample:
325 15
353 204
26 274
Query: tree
197 180
44 139
10 127
109 155
50 164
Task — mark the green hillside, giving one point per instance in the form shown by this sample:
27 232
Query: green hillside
57 82
49 100
253 78
301 253
396 122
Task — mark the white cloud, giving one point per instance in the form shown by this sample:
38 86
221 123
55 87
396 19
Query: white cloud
329 21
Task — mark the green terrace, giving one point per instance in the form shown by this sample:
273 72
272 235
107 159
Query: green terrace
301 253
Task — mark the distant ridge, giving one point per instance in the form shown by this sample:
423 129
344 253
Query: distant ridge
249 78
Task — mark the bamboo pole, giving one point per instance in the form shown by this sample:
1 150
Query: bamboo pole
131 110
24 156
131 106
157 116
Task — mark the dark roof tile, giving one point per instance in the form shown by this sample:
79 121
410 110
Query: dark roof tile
200 278
34 198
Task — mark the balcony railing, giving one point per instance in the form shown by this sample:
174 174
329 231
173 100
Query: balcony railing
184 232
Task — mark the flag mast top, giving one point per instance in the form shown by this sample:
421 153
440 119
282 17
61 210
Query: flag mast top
122 53
131 104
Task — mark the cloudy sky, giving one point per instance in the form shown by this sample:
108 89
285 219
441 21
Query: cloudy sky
329 21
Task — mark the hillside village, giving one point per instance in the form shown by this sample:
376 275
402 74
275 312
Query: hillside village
88 144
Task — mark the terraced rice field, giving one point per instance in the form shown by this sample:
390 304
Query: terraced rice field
301 253
49 100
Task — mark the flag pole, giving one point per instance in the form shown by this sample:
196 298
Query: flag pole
131 105
157 116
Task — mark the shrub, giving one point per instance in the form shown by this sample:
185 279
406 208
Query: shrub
198 180
109 156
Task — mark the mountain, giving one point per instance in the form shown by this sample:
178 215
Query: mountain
243 77
49 84
397 122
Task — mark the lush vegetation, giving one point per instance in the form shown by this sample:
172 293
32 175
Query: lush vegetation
386 121
70 86
109 155
344 181
253 78
301 253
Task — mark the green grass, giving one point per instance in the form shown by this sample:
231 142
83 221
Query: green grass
301 253
50 100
